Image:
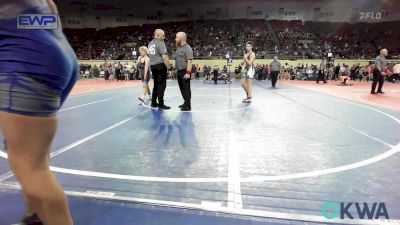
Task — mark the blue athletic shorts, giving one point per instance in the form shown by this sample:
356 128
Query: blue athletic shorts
38 68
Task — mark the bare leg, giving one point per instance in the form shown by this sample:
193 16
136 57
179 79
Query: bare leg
28 146
250 88
29 207
244 85
340 79
145 87
148 89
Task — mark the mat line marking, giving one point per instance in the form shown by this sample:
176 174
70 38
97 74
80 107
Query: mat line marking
74 144
394 150
6 175
235 198
334 119
10 174
224 210
253 178
363 221
81 194
90 103
358 96
103 91
68 147
136 178
95 174
83 140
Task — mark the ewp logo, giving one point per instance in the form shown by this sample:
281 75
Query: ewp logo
332 210
37 21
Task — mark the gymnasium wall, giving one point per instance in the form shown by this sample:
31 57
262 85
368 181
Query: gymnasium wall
121 14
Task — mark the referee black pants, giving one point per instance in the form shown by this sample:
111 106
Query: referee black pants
274 77
184 86
160 75
321 76
377 78
215 76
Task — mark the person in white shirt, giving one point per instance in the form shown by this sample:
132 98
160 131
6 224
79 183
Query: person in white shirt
344 76
396 72
38 70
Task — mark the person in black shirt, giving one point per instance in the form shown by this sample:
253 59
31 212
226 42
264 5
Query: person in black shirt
321 72
336 72
216 72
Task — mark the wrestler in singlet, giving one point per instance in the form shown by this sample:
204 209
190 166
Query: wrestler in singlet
38 69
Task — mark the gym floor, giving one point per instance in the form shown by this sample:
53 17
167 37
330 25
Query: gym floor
276 160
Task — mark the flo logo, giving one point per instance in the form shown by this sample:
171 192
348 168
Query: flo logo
332 210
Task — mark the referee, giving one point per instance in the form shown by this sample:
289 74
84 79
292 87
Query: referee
159 63
183 63
379 72
321 71
275 70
